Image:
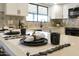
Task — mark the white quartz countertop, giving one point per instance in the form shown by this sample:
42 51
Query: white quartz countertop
17 49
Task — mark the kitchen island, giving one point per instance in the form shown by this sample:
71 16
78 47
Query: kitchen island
14 48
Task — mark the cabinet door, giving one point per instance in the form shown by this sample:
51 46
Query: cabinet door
11 9
56 12
22 9
2 7
18 9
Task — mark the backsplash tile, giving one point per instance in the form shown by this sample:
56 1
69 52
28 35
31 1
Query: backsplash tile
71 22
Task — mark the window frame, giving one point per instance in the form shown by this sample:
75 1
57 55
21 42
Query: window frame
38 11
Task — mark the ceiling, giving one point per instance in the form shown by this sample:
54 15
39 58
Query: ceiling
50 4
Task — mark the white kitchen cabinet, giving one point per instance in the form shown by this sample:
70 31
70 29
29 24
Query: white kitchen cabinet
11 9
16 9
57 12
2 7
23 8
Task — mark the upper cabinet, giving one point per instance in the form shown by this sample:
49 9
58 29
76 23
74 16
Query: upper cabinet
17 9
2 7
56 11
11 9
22 9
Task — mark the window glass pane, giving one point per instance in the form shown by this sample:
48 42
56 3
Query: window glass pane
42 10
32 8
42 18
45 18
29 17
35 17
42 14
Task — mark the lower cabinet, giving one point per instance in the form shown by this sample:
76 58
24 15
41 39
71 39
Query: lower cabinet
72 31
